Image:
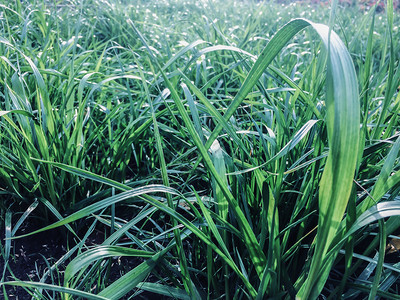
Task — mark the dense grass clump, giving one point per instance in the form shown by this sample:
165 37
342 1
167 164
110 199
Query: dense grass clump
237 149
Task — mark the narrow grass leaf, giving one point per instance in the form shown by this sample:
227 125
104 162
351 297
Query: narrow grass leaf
105 203
379 264
27 212
381 185
87 174
17 111
97 253
162 289
134 277
50 287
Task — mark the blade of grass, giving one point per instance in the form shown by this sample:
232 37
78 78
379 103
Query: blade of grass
35 285
381 257
98 253
133 278
390 87
103 204
164 290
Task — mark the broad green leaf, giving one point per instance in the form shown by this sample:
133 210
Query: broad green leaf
343 122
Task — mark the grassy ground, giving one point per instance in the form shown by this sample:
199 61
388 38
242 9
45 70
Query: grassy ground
235 149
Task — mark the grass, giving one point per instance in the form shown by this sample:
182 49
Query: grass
239 149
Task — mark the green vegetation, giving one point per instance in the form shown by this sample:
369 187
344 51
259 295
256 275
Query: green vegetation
238 149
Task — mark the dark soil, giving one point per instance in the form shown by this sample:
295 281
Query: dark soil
31 257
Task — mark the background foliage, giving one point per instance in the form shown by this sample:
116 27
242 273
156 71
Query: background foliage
238 153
